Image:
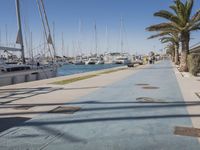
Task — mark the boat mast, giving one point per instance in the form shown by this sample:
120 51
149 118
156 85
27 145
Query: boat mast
107 43
95 36
46 31
0 36
48 27
6 29
31 46
20 36
79 38
63 44
54 38
121 35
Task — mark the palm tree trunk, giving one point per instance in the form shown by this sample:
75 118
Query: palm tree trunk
185 38
173 54
177 54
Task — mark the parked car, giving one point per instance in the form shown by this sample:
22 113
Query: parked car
138 61
131 64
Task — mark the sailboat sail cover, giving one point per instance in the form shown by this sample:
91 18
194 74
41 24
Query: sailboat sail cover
49 40
19 38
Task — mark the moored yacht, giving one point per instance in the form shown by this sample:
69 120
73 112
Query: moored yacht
91 61
100 61
79 61
121 60
20 70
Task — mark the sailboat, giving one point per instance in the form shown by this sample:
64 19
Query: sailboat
124 58
79 58
95 59
13 73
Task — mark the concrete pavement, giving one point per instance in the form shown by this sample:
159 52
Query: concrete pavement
137 112
190 89
45 96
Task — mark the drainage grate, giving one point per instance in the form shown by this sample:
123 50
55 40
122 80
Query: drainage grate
23 107
65 110
148 100
187 131
142 84
150 87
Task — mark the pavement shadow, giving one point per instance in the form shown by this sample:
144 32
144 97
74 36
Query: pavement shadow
7 123
11 95
49 126
111 119
134 102
62 135
105 107
84 88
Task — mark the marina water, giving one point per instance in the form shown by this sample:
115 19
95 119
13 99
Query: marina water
75 69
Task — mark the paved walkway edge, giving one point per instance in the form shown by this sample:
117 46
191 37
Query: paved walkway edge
189 86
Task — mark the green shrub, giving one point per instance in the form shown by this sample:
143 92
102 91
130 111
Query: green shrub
194 64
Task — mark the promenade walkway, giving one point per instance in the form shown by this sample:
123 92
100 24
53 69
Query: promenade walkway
139 112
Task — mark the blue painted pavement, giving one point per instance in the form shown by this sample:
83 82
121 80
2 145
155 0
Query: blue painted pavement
114 118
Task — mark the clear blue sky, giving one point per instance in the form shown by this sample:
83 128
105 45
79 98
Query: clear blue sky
66 14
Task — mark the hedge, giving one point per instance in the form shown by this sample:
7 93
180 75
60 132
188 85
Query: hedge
194 63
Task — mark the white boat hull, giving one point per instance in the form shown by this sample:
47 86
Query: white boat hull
27 76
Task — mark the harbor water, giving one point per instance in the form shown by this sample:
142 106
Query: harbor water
75 69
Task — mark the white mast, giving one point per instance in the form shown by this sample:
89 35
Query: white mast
0 36
107 42
20 36
95 36
63 44
74 49
31 45
44 41
6 30
54 38
79 38
46 27
121 35
0 40
67 51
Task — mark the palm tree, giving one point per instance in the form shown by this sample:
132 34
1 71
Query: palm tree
181 21
175 45
170 36
170 50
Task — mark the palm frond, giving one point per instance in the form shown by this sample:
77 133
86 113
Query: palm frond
174 39
167 40
188 6
174 8
196 17
159 35
181 14
194 27
167 15
160 27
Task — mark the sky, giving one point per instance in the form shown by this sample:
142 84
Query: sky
75 19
